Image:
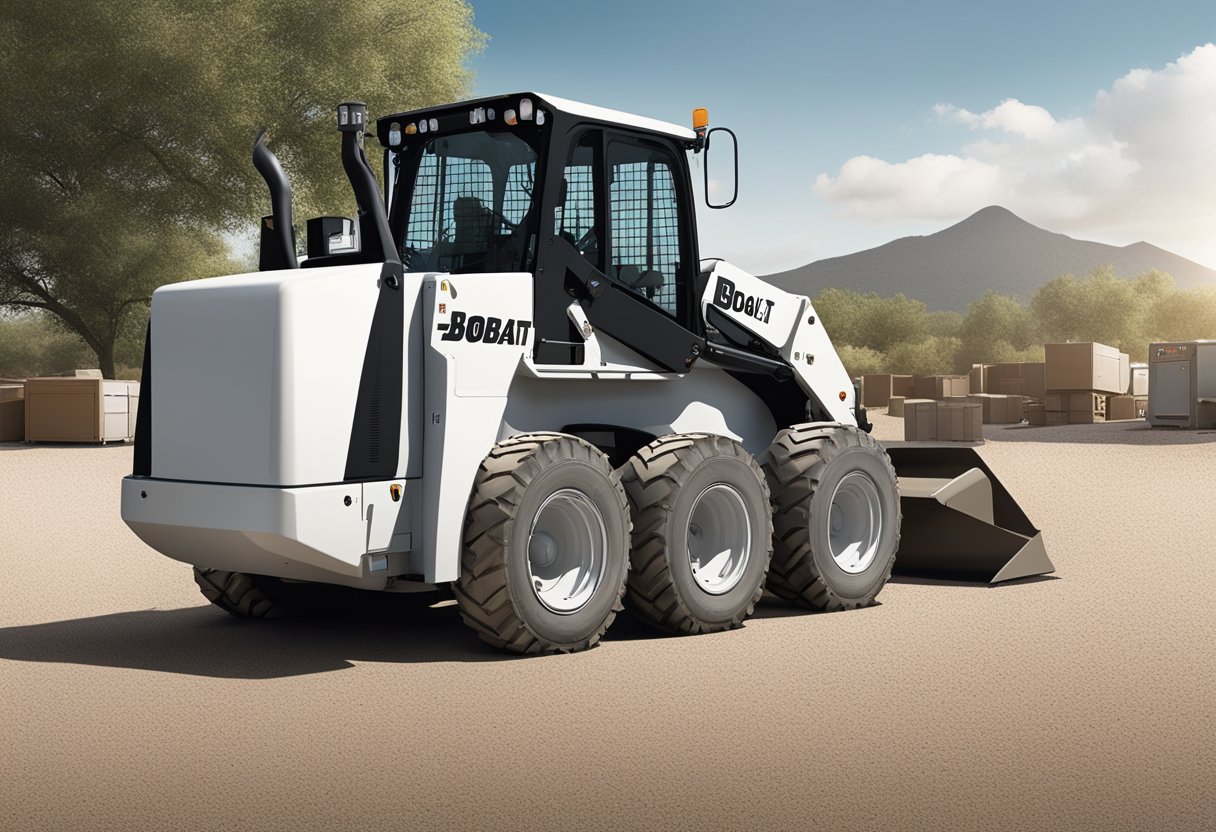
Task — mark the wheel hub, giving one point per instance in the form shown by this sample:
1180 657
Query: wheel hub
567 551
855 522
719 538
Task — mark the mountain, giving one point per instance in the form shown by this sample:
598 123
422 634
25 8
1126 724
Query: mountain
992 250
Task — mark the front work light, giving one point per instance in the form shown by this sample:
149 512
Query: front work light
352 116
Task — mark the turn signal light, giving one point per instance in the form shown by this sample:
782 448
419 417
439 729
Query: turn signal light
843 395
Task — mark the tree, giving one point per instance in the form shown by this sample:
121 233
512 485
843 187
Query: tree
1182 316
928 356
124 152
860 361
1099 307
867 320
996 328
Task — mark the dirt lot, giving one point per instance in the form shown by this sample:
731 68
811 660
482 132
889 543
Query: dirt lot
1081 701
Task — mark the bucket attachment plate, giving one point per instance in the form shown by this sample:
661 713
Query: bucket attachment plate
959 522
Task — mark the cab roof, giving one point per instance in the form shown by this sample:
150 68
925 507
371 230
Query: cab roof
574 108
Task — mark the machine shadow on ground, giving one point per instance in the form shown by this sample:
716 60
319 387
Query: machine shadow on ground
956 583
202 641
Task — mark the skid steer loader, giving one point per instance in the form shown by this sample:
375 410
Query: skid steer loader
514 375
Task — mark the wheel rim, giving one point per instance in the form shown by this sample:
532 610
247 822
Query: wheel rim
855 522
719 538
567 546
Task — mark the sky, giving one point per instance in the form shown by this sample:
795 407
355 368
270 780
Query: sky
860 122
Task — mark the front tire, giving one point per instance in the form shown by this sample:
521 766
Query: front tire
546 546
836 516
702 534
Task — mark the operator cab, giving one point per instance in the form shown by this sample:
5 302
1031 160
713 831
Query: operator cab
596 204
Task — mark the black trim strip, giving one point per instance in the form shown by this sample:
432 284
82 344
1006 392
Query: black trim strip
743 361
143 414
375 435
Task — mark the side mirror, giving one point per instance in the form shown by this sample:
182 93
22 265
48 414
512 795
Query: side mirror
734 180
331 235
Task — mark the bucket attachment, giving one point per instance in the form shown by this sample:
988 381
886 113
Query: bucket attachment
959 522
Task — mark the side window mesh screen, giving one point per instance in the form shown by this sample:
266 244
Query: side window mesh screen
521 182
471 205
576 220
436 217
645 225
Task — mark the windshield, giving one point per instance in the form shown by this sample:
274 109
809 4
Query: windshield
471 208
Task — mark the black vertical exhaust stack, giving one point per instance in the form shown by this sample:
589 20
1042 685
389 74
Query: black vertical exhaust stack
278 238
375 237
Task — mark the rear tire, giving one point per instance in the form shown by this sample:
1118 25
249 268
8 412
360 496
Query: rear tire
836 516
694 496
236 593
262 596
546 546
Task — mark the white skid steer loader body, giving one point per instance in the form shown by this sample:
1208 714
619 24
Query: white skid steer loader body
253 400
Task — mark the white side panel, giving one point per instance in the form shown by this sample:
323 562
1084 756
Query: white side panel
255 376
758 307
705 400
320 533
818 367
480 328
790 324
214 346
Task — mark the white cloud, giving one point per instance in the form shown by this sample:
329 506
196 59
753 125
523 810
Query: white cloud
1138 164
1012 116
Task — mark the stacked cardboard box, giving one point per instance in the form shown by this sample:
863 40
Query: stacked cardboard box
1036 414
81 409
878 388
1087 366
1079 376
899 404
1121 408
940 387
998 409
12 412
1080 408
975 379
1139 385
920 419
928 420
960 421
1017 379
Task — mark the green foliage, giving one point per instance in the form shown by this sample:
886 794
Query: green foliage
897 335
124 154
867 320
948 324
1100 307
995 319
859 361
929 356
31 345
1183 316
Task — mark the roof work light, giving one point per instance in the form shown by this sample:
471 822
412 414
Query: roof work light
352 116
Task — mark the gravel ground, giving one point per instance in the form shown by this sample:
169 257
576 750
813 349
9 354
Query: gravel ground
1079 701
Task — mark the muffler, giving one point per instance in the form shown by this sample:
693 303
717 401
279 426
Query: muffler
959 522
